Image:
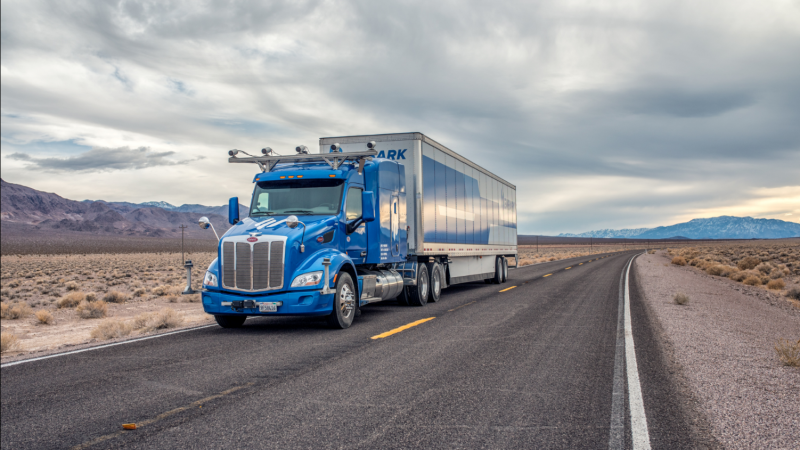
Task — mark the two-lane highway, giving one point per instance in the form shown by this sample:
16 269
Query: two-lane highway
526 364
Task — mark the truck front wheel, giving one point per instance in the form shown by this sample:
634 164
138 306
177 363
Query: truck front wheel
418 295
344 303
230 321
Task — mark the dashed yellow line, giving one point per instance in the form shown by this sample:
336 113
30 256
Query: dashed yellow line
547 275
508 289
580 264
568 268
403 328
451 310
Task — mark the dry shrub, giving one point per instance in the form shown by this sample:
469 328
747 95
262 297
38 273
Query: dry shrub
715 270
776 273
72 286
4 309
91 296
92 310
166 318
172 299
161 290
738 276
8 342
788 352
679 261
752 280
71 300
44 317
551 259
115 297
139 292
748 262
776 284
680 298
111 329
652 252
18 311
793 293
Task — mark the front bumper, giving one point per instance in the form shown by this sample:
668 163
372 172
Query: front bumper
293 303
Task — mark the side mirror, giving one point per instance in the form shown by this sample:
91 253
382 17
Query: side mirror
233 210
367 206
204 223
292 221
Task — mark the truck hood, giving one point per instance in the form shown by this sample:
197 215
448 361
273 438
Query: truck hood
276 226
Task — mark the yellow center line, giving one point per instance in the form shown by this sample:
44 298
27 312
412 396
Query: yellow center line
508 289
580 264
451 310
403 328
568 268
547 275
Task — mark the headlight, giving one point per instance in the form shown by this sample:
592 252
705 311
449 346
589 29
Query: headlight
210 279
307 279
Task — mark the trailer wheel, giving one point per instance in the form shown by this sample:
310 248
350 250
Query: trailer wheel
230 321
344 303
505 269
498 270
418 295
437 281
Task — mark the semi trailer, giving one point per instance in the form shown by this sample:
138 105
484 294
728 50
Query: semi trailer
367 219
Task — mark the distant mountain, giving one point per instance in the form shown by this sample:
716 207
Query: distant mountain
723 227
47 211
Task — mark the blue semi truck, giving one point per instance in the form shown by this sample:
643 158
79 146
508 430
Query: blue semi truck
367 219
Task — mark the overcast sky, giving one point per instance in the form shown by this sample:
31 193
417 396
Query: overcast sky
612 114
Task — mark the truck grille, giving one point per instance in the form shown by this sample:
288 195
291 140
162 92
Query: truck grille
252 267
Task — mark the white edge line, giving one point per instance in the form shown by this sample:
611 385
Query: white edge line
639 434
14 363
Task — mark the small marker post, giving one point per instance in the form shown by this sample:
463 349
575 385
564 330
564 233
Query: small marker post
188 290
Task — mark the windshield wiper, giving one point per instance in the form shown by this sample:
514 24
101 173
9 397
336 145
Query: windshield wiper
265 213
307 211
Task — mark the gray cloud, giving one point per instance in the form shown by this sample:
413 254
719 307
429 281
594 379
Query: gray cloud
103 159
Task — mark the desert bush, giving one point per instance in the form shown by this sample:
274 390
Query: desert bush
18 311
139 292
91 296
172 299
71 300
161 290
715 270
166 318
788 352
44 317
738 276
71 286
652 252
8 342
4 309
92 310
13 284
679 261
748 262
776 284
752 280
111 329
793 293
680 298
776 273
764 268
115 297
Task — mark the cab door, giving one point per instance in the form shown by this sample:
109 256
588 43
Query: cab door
395 212
355 242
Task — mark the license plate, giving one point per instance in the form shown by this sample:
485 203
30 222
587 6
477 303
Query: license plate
267 307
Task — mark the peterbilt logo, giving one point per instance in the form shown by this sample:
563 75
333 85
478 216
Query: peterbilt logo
393 154
252 239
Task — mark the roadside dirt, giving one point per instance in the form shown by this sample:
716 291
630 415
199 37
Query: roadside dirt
723 341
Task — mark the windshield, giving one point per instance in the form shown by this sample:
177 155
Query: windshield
284 197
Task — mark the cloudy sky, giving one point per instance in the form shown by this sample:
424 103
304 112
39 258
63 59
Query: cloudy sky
613 114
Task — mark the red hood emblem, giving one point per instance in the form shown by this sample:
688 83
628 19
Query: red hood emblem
252 239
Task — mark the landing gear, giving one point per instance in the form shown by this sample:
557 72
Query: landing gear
344 303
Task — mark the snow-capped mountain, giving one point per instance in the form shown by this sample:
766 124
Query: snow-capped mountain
162 205
723 227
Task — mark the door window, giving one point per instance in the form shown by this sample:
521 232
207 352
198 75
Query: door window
353 209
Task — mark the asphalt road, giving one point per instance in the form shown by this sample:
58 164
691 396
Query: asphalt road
530 367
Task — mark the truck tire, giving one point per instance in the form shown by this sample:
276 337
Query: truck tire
505 269
498 270
418 295
437 281
230 321
344 303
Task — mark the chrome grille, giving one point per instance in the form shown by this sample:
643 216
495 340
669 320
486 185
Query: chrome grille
252 267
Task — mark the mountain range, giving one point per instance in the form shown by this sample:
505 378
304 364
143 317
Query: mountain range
40 210
722 227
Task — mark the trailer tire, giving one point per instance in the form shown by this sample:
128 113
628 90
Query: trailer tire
498 270
230 321
505 269
437 281
418 295
344 303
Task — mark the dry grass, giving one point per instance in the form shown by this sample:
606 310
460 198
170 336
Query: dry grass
44 317
679 261
111 329
139 292
9 342
680 298
71 300
776 285
16 311
752 280
788 352
115 297
71 286
748 262
529 255
4 309
166 318
92 310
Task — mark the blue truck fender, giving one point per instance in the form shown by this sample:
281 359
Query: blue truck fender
339 260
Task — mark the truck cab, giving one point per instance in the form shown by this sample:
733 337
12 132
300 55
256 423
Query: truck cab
323 237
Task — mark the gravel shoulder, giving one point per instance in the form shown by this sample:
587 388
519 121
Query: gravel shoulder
723 342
